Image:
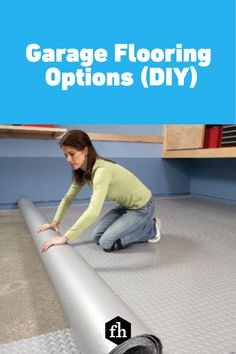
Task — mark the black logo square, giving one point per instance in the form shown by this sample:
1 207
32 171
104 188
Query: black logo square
118 330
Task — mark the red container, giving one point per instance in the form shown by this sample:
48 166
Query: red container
213 136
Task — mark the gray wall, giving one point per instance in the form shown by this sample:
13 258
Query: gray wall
214 178
38 169
47 179
24 148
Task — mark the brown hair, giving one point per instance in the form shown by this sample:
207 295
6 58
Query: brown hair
80 140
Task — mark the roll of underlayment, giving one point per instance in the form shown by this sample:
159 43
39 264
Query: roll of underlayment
145 344
100 320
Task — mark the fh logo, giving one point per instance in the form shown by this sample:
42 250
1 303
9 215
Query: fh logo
118 330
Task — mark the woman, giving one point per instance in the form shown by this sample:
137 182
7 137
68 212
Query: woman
129 222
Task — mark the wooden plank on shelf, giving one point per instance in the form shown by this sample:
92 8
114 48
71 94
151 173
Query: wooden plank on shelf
44 133
223 152
125 138
184 136
30 132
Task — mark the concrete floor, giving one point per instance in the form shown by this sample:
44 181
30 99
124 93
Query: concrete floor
28 303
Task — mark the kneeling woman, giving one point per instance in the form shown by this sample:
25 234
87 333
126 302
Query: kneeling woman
129 222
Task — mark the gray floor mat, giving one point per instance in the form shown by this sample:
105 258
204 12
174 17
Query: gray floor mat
184 287
59 342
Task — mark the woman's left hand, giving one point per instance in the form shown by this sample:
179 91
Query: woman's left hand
57 240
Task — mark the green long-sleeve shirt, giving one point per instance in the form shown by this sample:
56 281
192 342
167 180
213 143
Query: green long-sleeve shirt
109 180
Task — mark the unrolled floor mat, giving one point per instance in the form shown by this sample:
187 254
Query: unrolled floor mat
57 342
183 288
63 342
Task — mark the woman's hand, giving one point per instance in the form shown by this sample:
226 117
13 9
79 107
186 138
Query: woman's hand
52 226
57 240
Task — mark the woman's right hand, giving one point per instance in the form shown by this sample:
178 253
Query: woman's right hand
52 226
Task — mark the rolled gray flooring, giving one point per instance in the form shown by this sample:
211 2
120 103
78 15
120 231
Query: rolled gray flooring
182 288
88 301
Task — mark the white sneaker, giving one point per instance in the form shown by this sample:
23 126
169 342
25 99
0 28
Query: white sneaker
157 237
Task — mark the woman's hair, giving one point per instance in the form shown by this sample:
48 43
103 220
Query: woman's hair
80 140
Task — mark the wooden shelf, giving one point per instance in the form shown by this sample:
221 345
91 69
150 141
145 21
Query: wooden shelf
126 138
46 133
30 132
201 153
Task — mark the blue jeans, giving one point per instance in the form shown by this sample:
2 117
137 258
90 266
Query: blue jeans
127 225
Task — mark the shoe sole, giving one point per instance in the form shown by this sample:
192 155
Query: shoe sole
157 238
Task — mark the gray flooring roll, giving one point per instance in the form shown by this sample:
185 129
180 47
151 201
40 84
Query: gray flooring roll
88 301
145 344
